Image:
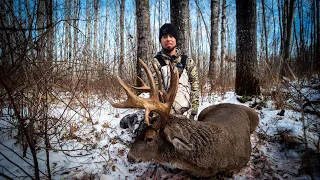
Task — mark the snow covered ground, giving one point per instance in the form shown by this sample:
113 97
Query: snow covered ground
98 147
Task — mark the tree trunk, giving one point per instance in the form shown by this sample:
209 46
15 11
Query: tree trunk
191 40
67 42
47 88
214 41
143 36
4 23
76 11
317 48
198 37
223 41
121 62
160 18
179 13
88 32
105 54
246 79
116 34
95 30
204 22
265 29
274 41
289 22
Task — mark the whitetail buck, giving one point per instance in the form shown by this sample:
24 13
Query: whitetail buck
218 142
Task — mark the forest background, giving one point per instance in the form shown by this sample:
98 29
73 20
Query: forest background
56 50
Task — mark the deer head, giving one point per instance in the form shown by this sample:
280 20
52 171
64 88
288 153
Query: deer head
219 141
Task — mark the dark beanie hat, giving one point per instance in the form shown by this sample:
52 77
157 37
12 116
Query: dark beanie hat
168 29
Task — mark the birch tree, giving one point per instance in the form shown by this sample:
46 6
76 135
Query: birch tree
88 32
121 61
214 40
105 40
76 11
95 30
67 40
223 41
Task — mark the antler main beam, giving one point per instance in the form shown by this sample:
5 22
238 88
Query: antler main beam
152 103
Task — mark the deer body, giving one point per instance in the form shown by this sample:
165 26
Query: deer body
218 142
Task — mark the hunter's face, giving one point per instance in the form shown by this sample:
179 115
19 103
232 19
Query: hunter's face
168 42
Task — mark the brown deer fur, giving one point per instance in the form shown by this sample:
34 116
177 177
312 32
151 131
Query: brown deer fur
218 142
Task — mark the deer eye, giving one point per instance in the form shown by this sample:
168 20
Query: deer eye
149 139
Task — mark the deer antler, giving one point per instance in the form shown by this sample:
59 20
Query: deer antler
152 103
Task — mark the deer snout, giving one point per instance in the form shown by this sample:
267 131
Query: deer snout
133 159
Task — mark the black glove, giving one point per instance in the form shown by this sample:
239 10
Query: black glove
193 114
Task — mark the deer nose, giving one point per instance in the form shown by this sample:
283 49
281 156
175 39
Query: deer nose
133 159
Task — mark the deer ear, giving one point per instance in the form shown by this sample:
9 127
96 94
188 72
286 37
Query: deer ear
175 136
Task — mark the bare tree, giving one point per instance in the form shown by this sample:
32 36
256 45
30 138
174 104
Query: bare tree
246 79
121 60
287 32
47 87
317 44
143 35
76 13
67 42
179 13
214 40
197 40
265 29
105 40
95 30
191 39
274 39
88 32
204 21
223 41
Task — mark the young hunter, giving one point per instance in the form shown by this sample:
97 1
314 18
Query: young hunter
187 98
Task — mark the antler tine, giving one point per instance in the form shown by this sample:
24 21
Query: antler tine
160 86
153 91
174 83
158 76
143 88
129 103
